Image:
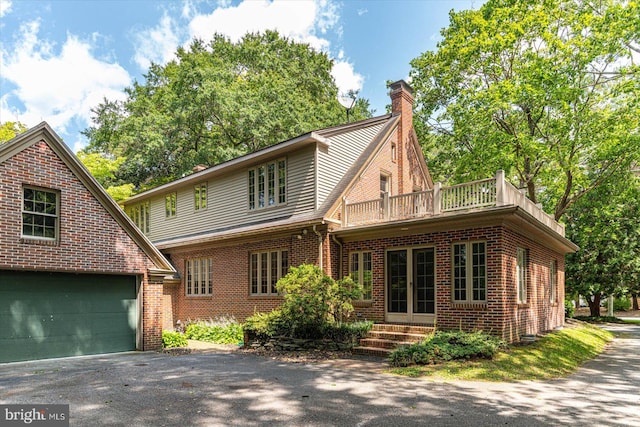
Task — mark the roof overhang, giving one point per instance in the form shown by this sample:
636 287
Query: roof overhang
241 234
512 217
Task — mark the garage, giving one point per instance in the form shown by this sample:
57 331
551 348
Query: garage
45 315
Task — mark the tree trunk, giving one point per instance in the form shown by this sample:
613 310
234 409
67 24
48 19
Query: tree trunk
594 306
634 299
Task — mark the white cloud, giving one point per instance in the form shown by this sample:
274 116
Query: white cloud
345 77
5 7
303 21
297 20
60 86
157 44
362 11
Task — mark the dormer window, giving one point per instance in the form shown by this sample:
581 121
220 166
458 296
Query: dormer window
170 204
200 196
267 185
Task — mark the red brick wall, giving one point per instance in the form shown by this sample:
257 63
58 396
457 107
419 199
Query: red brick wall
538 314
152 315
90 240
500 315
231 293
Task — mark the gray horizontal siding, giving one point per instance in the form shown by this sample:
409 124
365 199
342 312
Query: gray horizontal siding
335 161
227 201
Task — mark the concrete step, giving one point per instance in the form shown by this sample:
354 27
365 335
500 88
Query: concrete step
407 329
383 343
384 338
396 336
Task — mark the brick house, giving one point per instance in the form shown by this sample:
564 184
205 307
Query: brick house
358 199
76 275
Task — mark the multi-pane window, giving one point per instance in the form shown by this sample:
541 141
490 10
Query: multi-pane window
361 272
39 213
521 273
384 185
199 272
200 196
553 281
265 269
469 265
267 185
170 204
139 214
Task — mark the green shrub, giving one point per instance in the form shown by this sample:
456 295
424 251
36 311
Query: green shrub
172 339
621 304
225 332
267 325
444 346
346 332
569 308
314 306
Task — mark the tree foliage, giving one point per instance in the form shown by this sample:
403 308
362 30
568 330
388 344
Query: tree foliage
606 225
546 90
9 130
104 170
215 101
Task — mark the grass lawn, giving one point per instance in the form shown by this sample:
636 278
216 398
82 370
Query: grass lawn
554 355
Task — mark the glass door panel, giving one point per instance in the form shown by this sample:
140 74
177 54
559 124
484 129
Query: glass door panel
397 281
423 281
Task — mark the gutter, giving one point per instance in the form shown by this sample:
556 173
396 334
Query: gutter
320 257
339 243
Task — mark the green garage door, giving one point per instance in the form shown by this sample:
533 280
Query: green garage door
44 315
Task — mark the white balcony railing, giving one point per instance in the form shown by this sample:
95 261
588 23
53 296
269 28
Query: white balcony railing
439 200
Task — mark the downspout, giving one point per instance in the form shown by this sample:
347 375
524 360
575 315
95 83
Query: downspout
339 243
319 247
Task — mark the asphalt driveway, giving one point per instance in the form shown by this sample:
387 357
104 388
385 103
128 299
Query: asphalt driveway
220 389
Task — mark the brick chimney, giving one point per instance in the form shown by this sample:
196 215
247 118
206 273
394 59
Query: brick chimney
402 104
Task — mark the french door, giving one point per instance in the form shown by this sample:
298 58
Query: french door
410 285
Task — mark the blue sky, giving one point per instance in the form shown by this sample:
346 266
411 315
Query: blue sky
60 58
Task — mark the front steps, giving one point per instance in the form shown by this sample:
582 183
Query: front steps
385 337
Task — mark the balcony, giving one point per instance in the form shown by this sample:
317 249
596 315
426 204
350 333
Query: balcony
491 192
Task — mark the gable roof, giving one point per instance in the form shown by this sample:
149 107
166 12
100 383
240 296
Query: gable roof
43 132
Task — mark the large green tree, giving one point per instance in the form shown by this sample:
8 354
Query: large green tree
606 225
215 101
545 89
9 130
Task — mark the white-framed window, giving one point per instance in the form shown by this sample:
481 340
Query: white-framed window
139 214
265 269
384 185
170 204
360 270
200 196
40 213
521 274
199 277
553 281
469 264
267 185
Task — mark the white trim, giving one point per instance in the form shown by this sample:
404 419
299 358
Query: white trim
410 316
521 275
469 266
